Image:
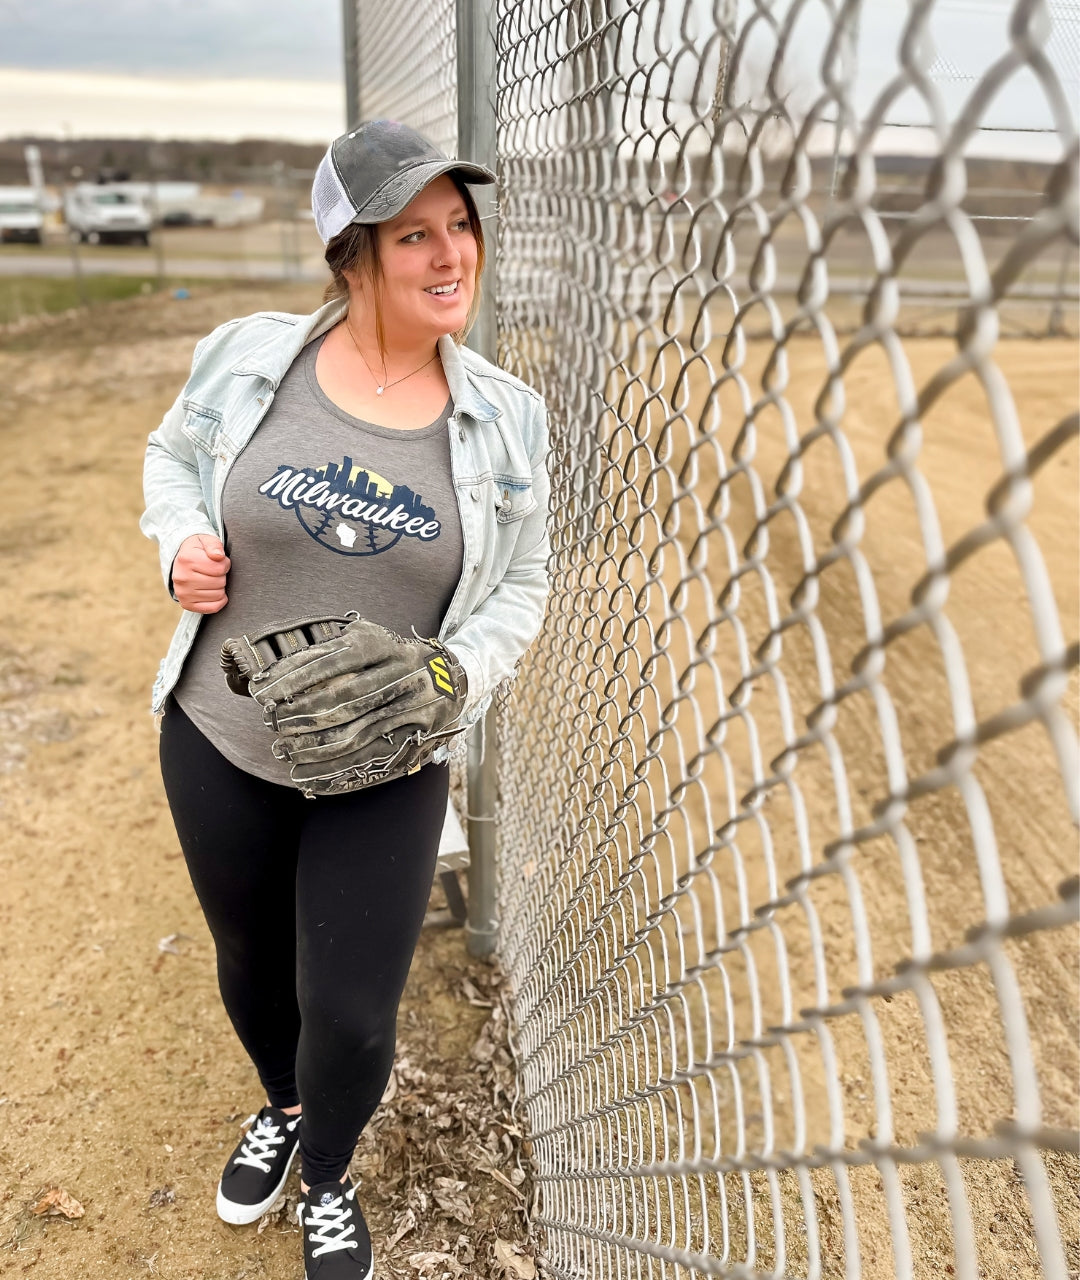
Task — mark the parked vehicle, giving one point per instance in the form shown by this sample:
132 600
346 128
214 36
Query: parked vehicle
184 218
21 215
106 213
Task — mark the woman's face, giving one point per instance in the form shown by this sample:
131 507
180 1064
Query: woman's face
428 259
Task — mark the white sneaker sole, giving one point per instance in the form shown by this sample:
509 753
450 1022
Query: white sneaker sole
239 1215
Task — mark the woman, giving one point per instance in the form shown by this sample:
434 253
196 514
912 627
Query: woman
315 906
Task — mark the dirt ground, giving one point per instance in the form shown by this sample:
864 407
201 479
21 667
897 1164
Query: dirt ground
121 1082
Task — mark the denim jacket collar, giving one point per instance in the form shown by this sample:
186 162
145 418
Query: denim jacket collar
271 360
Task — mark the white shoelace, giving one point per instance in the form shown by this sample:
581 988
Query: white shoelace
331 1218
258 1148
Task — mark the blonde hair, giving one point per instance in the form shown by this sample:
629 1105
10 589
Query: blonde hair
356 249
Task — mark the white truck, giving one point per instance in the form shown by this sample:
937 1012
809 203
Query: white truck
21 215
106 213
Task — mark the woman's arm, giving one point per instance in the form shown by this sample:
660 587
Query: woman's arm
175 507
492 640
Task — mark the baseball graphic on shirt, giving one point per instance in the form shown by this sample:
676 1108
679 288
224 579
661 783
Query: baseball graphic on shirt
350 509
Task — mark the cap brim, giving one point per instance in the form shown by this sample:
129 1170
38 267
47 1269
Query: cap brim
402 188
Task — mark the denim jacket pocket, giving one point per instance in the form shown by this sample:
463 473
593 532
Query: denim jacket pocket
202 427
514 498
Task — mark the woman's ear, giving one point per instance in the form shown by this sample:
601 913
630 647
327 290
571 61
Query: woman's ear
361 288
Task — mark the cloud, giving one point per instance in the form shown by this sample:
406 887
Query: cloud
88 105
298 39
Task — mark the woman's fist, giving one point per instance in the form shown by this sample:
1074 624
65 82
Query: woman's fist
198 574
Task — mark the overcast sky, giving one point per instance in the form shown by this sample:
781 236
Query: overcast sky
219 69
273 68
295 39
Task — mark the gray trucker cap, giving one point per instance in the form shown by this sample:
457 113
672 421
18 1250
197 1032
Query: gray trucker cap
371 174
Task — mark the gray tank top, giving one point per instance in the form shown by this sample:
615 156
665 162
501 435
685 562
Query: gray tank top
323 513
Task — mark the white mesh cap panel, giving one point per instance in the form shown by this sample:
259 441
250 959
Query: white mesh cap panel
330 201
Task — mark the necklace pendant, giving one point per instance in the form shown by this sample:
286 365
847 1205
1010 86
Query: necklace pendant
378 391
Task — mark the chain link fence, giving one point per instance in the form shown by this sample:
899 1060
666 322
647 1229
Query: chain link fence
407 66
788 784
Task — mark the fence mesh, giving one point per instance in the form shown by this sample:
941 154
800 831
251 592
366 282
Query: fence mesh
788 783
787 791
408 66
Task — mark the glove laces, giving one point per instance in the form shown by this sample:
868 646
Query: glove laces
331 1219
259 1148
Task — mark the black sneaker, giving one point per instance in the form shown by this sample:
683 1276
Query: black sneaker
258 1168
336 1241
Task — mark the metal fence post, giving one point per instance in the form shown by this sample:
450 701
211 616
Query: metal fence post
351 41
477 141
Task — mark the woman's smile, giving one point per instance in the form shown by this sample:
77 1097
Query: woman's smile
431 235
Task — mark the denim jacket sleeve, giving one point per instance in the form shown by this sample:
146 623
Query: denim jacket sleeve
172 487
495 636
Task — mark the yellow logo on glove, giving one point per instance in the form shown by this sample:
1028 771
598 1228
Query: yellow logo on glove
440 676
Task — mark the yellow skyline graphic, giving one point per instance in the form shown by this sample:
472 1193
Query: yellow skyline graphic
383 486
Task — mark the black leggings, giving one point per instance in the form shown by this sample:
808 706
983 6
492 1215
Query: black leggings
315 907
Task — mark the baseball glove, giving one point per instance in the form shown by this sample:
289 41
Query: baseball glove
352 703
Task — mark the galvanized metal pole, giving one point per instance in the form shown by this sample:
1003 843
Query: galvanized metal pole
477 142
351 40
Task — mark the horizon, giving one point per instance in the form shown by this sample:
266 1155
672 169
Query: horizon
70 105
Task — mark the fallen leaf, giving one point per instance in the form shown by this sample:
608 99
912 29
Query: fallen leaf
516 1264
473 995
426 1263
405 1223
483 1050
500 1177
280 1210
55 1202
451 1198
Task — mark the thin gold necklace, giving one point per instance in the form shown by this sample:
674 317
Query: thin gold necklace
380 389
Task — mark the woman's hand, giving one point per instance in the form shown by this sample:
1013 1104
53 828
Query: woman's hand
198 574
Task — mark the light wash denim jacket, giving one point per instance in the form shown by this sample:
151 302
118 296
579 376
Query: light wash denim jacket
498 457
